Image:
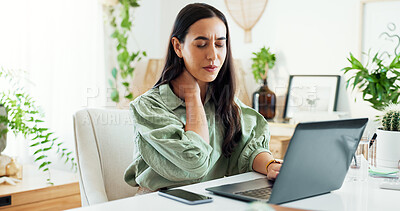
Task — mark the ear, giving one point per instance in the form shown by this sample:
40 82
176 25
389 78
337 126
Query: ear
177 46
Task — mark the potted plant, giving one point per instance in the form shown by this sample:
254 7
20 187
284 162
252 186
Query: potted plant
388 138
122 73
377 80
24 118
264 100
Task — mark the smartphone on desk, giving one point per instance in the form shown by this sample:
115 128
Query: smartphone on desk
185 196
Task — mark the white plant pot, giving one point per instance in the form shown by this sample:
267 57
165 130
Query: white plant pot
388 149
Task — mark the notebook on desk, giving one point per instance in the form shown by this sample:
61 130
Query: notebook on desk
316 162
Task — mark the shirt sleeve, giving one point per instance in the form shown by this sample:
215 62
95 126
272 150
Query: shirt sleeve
165 146
255 138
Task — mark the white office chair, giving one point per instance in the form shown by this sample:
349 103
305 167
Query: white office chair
104 149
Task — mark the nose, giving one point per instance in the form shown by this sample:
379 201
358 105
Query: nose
212 53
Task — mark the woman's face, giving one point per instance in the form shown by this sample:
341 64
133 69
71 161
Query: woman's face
204 49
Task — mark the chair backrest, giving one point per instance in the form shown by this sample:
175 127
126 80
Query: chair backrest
104 148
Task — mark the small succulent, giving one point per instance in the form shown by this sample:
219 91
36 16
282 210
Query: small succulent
391 118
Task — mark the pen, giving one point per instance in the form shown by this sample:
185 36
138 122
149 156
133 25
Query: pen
355 161
372 140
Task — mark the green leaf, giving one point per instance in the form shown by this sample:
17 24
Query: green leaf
129 96
47 149
40 157
372 88
133 3
37 151
115 34
111 83
380 91
44 164
42 129
134 55
124 74
125 23
355 63
126 84
120 46
35 144
123 57
115 96
144 53
114 73
49 134
45 141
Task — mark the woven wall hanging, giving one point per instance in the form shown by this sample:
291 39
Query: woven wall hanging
246 14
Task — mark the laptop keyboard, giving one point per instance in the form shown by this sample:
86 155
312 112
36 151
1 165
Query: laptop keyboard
261 193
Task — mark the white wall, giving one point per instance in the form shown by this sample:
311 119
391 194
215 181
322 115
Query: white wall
308 37
60 44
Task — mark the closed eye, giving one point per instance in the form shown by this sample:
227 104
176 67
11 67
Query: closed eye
220 44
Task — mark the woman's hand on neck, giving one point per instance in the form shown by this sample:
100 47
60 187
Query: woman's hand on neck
186 86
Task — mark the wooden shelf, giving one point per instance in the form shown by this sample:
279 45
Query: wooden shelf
285 125
34 193
278 146
281 129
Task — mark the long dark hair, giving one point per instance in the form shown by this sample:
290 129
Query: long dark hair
223 86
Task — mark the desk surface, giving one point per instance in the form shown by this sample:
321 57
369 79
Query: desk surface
353 195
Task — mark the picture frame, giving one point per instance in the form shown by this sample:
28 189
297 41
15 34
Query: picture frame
379 27
311 93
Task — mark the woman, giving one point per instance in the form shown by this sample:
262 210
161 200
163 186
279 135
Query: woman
190 128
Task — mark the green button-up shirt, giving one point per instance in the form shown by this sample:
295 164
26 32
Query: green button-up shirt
165 155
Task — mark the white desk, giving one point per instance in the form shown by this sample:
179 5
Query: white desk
353 195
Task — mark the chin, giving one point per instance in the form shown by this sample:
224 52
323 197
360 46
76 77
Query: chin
209 79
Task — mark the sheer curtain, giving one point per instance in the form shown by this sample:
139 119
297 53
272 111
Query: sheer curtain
60 44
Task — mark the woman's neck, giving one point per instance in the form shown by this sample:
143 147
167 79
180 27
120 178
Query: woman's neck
203 90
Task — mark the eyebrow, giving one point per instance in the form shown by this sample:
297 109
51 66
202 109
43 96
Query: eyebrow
205 38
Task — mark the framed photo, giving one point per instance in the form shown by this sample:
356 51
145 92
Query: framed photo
379 28
307 93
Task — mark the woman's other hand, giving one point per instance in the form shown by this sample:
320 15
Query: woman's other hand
273 170
263 159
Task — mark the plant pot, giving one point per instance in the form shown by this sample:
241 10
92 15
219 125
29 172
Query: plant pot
388 149
264 101
3 127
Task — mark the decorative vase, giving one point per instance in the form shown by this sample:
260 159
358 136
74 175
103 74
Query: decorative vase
388 149
3 137
264 101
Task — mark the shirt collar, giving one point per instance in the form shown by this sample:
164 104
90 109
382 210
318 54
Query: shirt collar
173 101
169 97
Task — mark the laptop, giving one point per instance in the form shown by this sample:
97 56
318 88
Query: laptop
316 162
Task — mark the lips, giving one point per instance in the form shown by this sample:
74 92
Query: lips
211 68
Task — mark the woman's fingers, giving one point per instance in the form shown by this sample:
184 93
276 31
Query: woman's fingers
274 170
277 167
